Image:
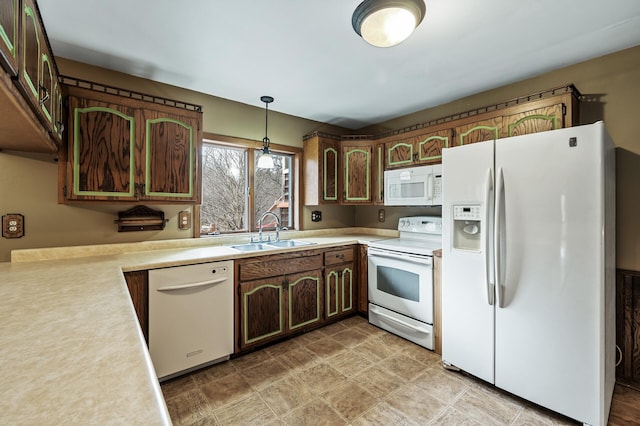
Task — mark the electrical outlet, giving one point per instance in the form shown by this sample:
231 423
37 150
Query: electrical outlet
381 215
316 216
13 225
184 220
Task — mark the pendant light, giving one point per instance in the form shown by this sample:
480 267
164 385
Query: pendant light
385 23
266 160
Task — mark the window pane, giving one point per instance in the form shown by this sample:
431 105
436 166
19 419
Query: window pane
273 188
224 182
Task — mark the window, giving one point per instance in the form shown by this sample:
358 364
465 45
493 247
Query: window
235 193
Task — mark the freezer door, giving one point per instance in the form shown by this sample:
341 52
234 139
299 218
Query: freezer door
549 314
467 294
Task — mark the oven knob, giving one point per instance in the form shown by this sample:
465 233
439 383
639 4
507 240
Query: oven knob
403 223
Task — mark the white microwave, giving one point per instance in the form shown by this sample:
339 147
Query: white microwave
414 186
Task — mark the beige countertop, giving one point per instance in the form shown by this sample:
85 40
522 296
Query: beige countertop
71 348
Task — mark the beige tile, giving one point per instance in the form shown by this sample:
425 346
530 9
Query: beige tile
282 347
393 341
314 413
249 411
350 400
382 414
322 378
189 407
214 372
251 359
311 336
334 328
175 387
286 395
299 358
226 390
207 421
415 403
374 349
325 347
487 406
535 415
452 417
421 354
349 362
349 337
262 375
378 381
442 384
402 366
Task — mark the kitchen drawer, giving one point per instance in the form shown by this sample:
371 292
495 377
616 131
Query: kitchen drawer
334 257
273 266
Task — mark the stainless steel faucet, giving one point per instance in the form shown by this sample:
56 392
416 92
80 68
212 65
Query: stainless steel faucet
260 226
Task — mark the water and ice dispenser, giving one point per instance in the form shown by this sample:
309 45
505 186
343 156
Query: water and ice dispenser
467 227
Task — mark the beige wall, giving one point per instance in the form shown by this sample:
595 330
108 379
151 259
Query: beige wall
28 184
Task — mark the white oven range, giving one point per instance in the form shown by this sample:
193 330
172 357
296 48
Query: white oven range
401 279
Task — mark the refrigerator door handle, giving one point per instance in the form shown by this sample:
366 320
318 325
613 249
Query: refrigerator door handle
497 235
487 254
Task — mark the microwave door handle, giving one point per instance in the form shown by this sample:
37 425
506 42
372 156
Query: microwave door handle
487 236
430 186
404 257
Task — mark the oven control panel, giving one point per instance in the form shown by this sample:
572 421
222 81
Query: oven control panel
421 224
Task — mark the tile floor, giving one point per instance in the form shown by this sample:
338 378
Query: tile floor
348 373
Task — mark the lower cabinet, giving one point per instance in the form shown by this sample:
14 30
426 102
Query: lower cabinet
628 328
138 285
339 283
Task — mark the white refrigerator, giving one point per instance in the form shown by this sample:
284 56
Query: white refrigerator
528 262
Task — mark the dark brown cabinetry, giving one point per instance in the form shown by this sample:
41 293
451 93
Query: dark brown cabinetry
418 147
339 283
321 171
29 97
138 285
124 149
357 157
363 279
628 328
277 295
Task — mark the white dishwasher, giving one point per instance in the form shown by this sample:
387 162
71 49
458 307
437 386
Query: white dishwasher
190 316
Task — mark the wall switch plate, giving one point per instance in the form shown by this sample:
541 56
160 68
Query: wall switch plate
13 225
316 216
381 215
184 220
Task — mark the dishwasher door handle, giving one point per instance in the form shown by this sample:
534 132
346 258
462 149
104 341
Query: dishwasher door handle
193 285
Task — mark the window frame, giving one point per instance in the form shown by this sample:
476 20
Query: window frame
251 146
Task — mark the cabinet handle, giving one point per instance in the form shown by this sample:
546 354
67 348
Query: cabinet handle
44 98
60 126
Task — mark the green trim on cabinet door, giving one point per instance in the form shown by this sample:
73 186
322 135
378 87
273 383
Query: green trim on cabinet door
367 175
147 192
29 13
445 139
350 272
331 313
396 163
335 174
380 175
48 114
552 118
76 151
296 282
473 129
246 314
11 43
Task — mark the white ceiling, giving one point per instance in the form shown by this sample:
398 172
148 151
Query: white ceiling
306 55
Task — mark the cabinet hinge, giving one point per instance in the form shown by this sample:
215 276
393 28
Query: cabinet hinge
64 191
564 110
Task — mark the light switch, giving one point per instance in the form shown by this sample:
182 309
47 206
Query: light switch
13 225
184 220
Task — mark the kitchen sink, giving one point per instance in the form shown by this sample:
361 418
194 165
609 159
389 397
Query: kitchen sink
289 243
251 247
271 245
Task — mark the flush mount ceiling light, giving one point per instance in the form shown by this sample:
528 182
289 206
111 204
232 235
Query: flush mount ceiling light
385 23
266 160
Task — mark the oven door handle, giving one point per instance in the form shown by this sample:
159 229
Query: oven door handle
399 321
404 257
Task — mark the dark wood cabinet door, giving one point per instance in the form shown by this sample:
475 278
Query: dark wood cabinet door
378 173
399 153
30 40
332 291
9 19
628 328
304 299
363 278
329 170
430 145
47 86
533 121
262 311
58 112
138 285
101 151
357 173
170 162
479 131
339 290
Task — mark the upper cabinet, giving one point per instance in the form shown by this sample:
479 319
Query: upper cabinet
125 149
357 160
9 24
478 131
321 170
30 102
417 147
